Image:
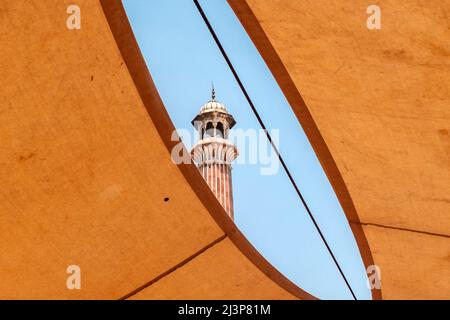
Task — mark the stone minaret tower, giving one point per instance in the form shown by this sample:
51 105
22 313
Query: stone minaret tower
213 152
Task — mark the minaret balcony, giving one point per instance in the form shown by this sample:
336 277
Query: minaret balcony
214 150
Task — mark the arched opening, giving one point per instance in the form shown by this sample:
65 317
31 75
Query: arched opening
209 132
258 192
220 130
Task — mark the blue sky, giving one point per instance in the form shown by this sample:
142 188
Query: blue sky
183 60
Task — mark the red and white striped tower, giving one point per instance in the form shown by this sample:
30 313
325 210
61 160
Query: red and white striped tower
213 152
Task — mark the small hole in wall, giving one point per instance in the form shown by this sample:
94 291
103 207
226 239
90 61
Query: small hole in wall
166 199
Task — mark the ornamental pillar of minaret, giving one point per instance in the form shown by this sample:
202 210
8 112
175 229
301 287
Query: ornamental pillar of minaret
213 152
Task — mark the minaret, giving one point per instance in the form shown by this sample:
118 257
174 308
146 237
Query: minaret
213 152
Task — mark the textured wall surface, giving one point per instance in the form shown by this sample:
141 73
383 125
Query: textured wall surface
381 102
84 169
84 172
234 277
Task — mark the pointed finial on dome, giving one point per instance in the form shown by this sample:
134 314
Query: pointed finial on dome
213 92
